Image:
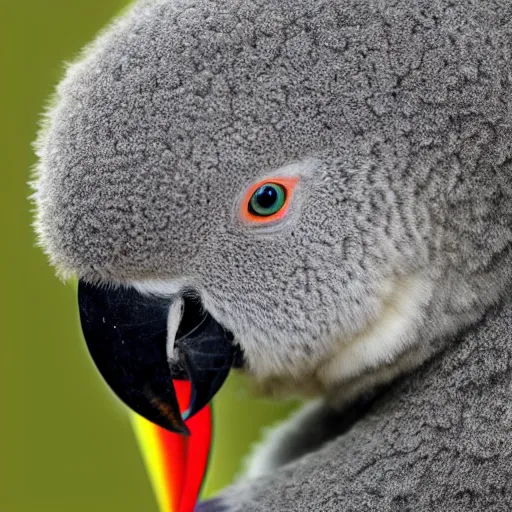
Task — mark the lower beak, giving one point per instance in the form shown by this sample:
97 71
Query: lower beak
126 334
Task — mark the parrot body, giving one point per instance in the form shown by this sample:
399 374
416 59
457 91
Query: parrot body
438 439
331 182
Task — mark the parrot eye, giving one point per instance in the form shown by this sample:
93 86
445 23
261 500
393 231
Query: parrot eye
268 200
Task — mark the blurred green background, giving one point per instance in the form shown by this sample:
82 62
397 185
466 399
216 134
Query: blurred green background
66 443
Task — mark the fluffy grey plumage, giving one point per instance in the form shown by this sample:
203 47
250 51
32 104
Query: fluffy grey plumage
396 115
439 439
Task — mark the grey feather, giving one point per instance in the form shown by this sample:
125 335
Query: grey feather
438 440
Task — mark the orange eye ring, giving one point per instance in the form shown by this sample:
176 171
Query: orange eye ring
287 184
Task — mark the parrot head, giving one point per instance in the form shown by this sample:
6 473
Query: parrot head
265 186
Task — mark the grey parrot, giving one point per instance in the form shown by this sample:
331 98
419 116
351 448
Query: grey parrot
315 192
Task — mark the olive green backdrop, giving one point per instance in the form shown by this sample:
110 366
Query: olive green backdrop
66 444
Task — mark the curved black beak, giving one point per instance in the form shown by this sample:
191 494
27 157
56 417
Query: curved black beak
126 334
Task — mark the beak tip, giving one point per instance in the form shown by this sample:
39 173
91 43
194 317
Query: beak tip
183 431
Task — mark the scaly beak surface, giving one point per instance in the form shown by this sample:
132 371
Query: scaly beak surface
127 336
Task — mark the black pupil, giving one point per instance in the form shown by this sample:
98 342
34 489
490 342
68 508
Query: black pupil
266 196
